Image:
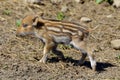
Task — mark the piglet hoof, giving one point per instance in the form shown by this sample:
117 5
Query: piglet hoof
94 66
43 60
61 58
81 62
78 63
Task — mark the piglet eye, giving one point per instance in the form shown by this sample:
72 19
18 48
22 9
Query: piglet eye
25 25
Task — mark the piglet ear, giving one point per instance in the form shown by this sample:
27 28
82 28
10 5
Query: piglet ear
35 20
36 17
37 23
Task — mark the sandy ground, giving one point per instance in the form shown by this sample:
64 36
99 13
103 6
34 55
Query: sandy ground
19 56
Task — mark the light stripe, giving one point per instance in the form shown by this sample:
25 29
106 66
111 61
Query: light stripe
72 28
54 28
68 31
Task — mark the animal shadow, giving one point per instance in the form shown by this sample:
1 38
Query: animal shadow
100 65
67 60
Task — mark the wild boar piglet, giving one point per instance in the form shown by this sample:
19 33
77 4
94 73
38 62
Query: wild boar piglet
54 32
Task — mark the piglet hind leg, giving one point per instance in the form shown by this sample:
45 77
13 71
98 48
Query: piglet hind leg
81 45
91 58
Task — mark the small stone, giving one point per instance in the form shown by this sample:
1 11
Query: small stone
116 44
55 1
64 8
32 1
109 16
77 1
2 19
116 3
85 19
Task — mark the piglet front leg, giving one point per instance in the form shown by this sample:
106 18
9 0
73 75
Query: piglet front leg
48 46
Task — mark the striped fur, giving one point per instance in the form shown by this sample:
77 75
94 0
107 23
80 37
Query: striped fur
53 32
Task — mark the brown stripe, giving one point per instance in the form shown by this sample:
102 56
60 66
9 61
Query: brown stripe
68 31
71 28
63 23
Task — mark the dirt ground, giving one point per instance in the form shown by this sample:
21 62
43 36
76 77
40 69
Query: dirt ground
19 57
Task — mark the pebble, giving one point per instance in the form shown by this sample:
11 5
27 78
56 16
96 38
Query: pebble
109 16
77 1
56 1
116 44
64 8
116 3
80 1
32 1
85 19
2 19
